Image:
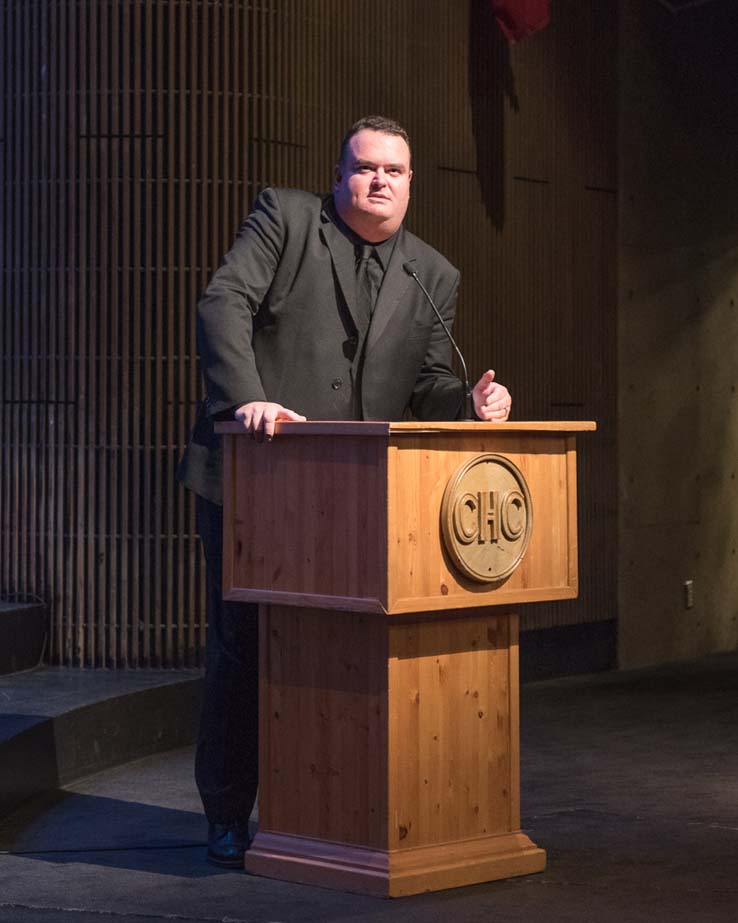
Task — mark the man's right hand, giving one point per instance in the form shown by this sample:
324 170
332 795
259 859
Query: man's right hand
259 417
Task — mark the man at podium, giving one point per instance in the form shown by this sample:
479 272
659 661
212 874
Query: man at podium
324 309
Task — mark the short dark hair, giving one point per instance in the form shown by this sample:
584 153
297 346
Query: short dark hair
373 123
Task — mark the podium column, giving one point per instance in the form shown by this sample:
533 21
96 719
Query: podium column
389 751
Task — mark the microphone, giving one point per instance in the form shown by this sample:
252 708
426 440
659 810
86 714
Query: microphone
469 415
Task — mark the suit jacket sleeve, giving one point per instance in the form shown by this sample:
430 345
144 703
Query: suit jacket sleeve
229 305
438 394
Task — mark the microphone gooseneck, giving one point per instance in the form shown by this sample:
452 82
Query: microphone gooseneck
468 411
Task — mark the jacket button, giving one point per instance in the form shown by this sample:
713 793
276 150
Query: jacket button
336 383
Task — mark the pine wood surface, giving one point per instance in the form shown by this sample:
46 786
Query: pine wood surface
389 756
346 522
383 427
323 725
393 874
421 575
453 744
309 519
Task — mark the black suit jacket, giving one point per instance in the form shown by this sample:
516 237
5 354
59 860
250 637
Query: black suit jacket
278 322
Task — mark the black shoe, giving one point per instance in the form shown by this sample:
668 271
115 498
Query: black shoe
227 844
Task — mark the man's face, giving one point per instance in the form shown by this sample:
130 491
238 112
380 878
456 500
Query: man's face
372 184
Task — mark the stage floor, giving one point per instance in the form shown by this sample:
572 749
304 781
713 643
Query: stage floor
629 781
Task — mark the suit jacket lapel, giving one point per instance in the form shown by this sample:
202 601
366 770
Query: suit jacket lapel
394 288
344 264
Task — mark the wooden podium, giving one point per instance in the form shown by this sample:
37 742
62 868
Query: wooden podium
389 754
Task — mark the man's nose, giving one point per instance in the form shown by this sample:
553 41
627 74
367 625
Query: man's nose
379 179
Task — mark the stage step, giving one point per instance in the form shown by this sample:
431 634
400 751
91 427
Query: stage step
61 724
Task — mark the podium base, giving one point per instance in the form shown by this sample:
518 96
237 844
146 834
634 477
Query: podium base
393 874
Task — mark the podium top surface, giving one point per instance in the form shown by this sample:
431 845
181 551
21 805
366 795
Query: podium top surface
385 428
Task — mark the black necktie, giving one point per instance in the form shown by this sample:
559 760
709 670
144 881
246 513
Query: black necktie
368 278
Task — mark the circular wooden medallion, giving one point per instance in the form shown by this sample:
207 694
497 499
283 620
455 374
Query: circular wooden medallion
487 518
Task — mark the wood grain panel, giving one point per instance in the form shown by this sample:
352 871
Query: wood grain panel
323 708
422 575
453 749
133 137
389 762
320 503
354 521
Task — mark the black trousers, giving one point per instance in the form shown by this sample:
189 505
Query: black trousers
227 759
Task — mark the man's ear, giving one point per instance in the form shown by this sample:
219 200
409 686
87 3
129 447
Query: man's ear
337 174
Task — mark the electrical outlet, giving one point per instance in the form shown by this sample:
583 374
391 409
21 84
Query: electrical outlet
688 594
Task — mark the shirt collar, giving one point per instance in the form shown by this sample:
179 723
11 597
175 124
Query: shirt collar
383 249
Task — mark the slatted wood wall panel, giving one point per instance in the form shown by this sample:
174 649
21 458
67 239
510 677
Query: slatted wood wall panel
134 135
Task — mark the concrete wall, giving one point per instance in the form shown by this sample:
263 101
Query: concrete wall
678 331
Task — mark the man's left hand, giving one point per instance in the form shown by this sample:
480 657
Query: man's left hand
492 400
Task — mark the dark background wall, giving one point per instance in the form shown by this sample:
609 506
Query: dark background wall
678 265
133 137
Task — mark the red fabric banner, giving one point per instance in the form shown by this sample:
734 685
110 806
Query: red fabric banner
521 18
